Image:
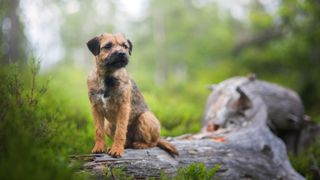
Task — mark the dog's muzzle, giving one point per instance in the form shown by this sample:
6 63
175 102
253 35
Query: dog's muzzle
116 60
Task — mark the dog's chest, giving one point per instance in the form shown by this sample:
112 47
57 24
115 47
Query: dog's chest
111 86
110 94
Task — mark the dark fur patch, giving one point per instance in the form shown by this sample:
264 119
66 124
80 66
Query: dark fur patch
110 82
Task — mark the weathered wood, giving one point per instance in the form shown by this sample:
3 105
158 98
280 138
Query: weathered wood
240 124
285 110
284 107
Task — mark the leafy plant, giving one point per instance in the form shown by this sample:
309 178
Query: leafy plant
197 171
29 127
308 162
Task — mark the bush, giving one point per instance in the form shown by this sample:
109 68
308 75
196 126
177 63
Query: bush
33 132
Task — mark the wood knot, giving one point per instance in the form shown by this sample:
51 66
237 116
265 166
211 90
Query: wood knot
267 150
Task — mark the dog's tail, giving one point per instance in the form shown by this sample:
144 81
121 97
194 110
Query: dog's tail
165 145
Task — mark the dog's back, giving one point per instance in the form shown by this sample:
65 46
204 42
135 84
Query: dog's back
138 105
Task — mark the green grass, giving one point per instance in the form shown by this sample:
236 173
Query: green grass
197 171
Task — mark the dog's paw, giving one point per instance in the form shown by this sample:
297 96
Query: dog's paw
98 148
116 151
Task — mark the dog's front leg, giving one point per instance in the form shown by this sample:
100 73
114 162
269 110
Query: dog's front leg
99 127
119 140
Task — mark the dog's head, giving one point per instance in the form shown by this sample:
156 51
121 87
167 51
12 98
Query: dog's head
112 51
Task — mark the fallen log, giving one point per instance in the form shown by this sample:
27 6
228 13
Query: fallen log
236 135
235 162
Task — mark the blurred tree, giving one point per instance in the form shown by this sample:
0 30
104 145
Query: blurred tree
183 37
12 39
82 21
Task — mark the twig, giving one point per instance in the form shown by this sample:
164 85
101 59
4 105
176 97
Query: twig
34 72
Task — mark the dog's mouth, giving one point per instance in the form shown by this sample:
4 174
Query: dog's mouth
116 60
118 63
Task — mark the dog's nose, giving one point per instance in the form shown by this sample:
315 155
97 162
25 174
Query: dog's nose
121 54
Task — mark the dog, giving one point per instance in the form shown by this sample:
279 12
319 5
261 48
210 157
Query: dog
118 108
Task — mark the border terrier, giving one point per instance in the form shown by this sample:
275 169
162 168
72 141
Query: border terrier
118 107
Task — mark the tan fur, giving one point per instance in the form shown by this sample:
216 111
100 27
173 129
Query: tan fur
118 107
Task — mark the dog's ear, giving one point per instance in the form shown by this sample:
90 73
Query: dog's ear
130 46
94 45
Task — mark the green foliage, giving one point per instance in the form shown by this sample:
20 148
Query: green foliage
197 171
116 173
307 163
31 131
67 94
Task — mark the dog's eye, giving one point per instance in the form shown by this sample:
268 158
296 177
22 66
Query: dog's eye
125 46
107 46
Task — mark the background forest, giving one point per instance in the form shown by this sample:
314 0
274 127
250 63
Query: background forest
179 48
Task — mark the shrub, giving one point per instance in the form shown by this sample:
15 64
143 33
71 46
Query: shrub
30 127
